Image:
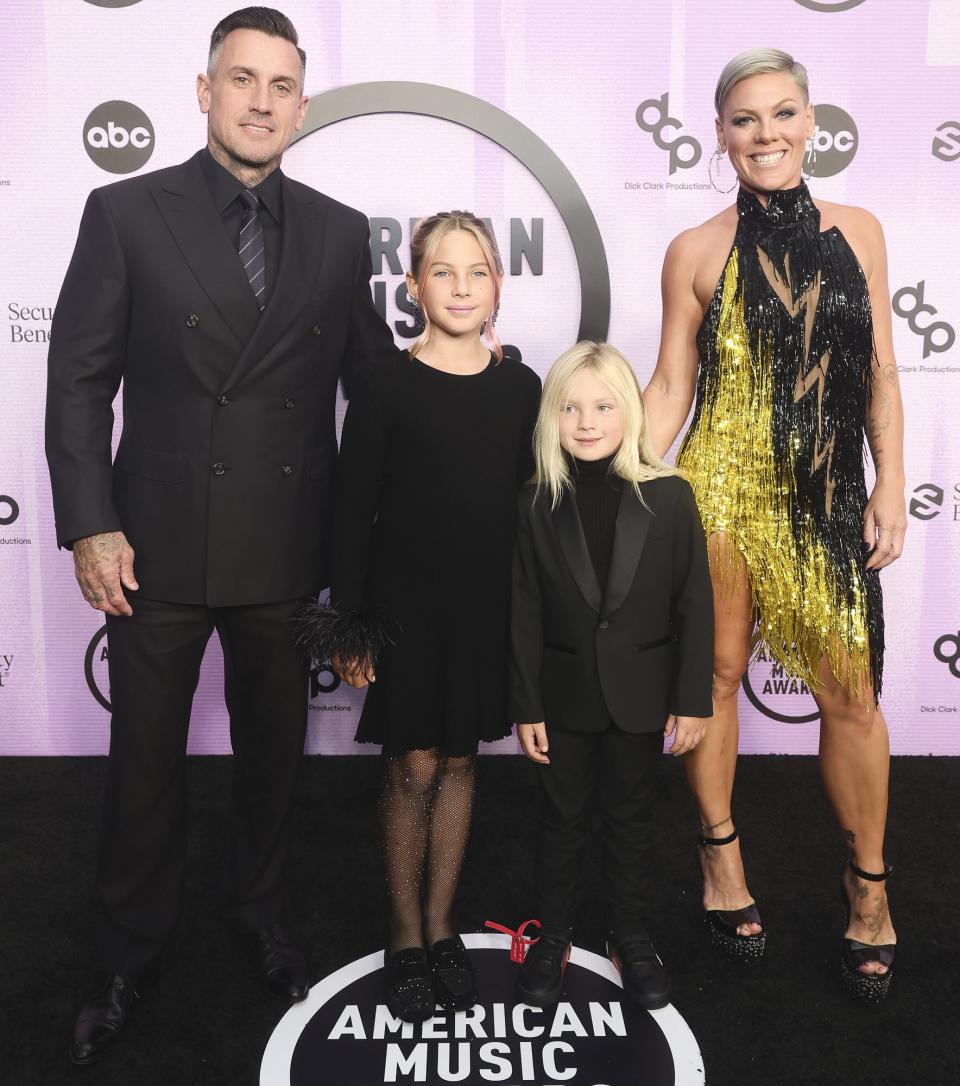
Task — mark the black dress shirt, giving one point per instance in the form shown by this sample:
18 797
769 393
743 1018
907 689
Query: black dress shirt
226 189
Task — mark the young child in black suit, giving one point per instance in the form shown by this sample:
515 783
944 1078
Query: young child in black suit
611 649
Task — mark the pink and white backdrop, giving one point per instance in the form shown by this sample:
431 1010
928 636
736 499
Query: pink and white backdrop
96 89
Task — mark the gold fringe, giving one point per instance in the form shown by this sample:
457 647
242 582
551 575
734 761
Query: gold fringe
804 612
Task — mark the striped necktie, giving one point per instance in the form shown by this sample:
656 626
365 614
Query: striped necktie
250 246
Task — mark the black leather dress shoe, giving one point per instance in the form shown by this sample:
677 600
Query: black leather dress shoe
540 980
102 1019
453 977
644 976
281 965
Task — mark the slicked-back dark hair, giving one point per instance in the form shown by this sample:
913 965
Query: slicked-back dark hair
266 20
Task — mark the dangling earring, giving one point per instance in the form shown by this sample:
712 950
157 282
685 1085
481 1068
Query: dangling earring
419 320
717 157
810 160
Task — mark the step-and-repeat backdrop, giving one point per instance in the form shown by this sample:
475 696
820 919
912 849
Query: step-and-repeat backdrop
583 132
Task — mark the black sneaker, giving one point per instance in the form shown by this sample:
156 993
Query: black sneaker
540 981
644 975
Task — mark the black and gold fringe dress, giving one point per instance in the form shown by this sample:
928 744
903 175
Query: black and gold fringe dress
775 453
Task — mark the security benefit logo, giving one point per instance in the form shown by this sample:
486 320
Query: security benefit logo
930 500
946 142
776 693
344 1034
834 143
118 137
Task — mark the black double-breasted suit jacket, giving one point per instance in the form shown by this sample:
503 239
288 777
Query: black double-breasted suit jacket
223 475
634 654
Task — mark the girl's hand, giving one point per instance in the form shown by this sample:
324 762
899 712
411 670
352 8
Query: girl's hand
533 739
687 731
353 672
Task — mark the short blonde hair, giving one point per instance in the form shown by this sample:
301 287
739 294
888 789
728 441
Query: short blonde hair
759 62
426 238
635 461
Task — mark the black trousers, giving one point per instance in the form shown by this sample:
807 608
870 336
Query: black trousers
154 661
617 772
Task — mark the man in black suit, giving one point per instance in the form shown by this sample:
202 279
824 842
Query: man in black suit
230 300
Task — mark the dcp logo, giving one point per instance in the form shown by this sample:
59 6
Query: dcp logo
834 143
908 303
947 650
830 5
947 145
690 148
9 510
119 137
926 502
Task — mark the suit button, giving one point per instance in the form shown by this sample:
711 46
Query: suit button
287 470
289 404
218 469
604 624
192 320
317 329
224 400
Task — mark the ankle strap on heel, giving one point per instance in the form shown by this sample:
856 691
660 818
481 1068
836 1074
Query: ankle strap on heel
704 841
869 875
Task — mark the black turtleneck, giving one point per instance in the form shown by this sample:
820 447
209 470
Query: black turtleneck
598 499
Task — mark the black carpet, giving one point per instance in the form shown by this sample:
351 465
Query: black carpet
206 1021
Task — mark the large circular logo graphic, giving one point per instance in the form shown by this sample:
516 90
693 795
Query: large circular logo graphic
834 144
113 3
119 137
777 694
343 1033
830 5
424 99
95 667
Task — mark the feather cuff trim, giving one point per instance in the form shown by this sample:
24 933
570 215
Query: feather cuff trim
358 635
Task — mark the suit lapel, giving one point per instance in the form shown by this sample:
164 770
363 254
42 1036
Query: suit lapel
304 222
573 544
187 206
629 537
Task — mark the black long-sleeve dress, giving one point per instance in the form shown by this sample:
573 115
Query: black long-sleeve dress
429 470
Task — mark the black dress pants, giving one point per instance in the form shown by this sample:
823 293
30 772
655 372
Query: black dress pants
154 662
615 771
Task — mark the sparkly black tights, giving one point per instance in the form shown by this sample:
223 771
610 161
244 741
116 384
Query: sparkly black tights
425 814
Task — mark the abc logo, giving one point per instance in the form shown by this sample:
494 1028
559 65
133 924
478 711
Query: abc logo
119 137
834 144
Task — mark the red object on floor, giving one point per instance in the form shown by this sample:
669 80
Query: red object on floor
518 941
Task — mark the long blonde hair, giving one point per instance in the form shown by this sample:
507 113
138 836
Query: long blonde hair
424 243
635 461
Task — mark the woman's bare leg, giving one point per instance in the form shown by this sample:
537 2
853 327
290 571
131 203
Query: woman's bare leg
855 768
711 765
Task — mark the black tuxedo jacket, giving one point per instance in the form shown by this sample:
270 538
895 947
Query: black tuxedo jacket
638 653
222 479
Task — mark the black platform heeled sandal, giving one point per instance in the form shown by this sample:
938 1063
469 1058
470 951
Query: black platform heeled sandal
409 982
866 987
723 923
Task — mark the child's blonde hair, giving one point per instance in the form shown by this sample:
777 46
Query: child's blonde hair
427 235
634 461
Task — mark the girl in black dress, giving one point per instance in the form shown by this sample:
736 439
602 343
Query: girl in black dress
434 449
